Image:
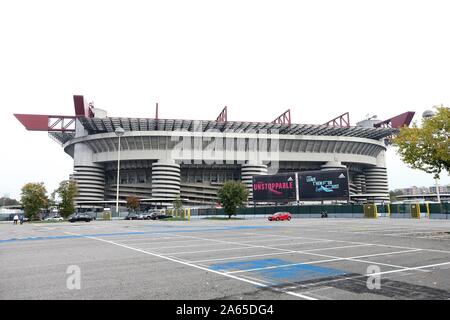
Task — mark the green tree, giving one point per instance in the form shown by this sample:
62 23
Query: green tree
67 191
33 199
133 203
232 195
52 200
177 204
427 148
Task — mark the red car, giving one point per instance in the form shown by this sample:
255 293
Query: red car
278 216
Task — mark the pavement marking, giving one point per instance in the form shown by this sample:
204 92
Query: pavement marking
215 244
370 274
150 239
243 247
303 252
279 253
127 233
207 245
243 257
376 232
329 260
203 251
410 269
257 283
373 243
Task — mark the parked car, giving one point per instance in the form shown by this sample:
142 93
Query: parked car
280 216
80 217
92 214
148 215
133 216
54 218
158 215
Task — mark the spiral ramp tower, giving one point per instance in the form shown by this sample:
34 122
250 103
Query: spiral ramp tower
249 170
90 181
165 180
377 183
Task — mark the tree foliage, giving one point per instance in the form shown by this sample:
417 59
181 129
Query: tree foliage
232 195
133 203
427 148
67 191
33 199
177 204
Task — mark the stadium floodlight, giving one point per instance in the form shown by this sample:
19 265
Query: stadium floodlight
427 114
119 133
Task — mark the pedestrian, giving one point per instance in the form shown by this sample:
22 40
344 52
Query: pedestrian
16 218
21 219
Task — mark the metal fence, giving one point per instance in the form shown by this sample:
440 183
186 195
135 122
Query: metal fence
415 210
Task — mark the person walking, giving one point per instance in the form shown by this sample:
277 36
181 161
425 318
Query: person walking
21 219
16 218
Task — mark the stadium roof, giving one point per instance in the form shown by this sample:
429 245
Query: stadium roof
109 124
104 125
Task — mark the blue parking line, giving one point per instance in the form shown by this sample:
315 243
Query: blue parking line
279 274
298 273
248 265
130 233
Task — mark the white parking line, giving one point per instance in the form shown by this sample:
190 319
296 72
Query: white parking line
375 244
410 269
303 252
279 253
243 247
259 284
177 253
329 260
321 283
203 243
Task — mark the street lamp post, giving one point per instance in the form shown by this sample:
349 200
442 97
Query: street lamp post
119 132
437 190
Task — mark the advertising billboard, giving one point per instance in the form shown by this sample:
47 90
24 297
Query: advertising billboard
323 185
280 187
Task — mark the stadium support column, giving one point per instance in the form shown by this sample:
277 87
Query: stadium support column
249 170
377 180
377 184
360 182
165 180
90 176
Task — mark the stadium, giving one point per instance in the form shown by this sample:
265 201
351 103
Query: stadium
163 159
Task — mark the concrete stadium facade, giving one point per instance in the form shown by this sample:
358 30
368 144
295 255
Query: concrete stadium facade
163 159
161 165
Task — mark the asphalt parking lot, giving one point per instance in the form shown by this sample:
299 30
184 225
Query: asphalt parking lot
240 259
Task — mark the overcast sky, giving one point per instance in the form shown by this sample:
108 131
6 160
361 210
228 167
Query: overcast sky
319 58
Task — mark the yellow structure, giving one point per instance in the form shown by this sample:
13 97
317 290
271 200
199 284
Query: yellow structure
415 211
370 211
107 215
183 214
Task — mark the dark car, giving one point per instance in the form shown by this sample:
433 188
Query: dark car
279 216
158 215
92 214
80 217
